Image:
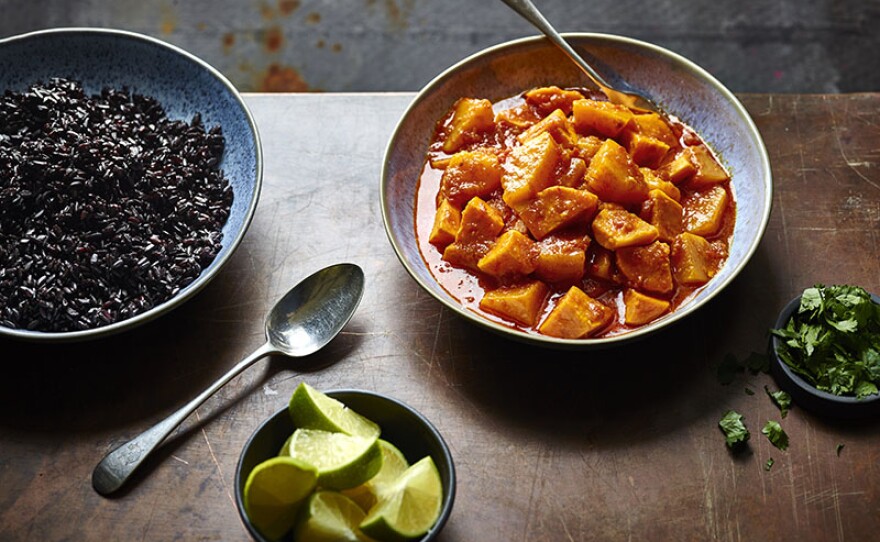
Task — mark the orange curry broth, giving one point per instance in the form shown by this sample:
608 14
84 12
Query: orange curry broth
469 286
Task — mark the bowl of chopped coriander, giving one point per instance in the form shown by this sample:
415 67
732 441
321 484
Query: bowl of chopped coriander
825 351
131 171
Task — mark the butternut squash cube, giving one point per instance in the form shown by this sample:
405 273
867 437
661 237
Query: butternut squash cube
709 171
480 225
587 147
574 175
470 174
556 124
645 150
470 117
692 262
646 268
600 117
446 224
664 213
654 126
613 176
618 228
703 212
548 99
521 304
642 308
521 116
561 259
512 254
576 315
529 169
600 263
678 169
655 182
556 207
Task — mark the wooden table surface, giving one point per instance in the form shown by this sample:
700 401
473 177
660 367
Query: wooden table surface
548 446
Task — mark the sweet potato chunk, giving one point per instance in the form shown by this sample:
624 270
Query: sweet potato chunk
521 304
708 171
529 169
703 212
576 315
664 213
642 308
480 225
470 117
617 228
512 254
655 182
574 175
603 118
587 147
446 224
678 169
692 262
646 268
548 99
470 174
561 259
613 176
556 207
556 124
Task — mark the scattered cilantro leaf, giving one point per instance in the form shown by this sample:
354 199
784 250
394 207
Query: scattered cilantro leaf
775 434
769 464
839 449
749 391
781 399
735 431
833 340
728 369
757 363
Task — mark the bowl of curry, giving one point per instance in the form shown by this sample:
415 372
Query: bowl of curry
520 198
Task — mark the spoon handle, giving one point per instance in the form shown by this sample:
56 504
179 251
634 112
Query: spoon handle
530 13
118 465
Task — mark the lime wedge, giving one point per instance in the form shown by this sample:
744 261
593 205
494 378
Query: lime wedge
343 461
273 491
329 516
311 409
409 507
393 465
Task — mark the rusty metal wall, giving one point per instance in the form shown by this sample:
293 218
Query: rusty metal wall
399 45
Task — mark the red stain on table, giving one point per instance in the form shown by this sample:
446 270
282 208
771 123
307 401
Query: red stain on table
279 78
273 39
286 7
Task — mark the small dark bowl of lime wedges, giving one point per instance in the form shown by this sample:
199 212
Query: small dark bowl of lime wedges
825 351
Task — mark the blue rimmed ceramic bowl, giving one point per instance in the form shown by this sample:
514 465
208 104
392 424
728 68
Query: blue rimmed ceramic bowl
403 426
183 84
679 86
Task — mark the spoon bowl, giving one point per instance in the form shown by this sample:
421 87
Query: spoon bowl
302 322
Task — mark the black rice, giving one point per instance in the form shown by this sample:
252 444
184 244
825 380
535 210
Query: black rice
107 207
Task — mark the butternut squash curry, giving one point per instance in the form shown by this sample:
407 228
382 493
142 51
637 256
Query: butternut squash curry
557 212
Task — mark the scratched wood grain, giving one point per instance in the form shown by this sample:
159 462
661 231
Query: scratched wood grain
549 446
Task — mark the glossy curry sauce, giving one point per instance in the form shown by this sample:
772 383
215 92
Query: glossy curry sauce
512 117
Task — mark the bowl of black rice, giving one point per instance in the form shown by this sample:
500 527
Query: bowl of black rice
129 173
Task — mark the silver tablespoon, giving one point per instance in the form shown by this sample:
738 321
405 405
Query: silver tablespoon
620 92
301 323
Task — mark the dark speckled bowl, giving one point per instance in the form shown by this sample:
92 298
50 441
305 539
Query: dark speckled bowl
681 87
182 83
401 425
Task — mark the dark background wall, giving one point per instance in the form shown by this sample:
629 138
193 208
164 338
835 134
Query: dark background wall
399 45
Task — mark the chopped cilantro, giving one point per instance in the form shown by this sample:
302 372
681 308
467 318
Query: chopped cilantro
775 434
781 399
769 464
833 340
734 429
757 363
839 449
749 391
